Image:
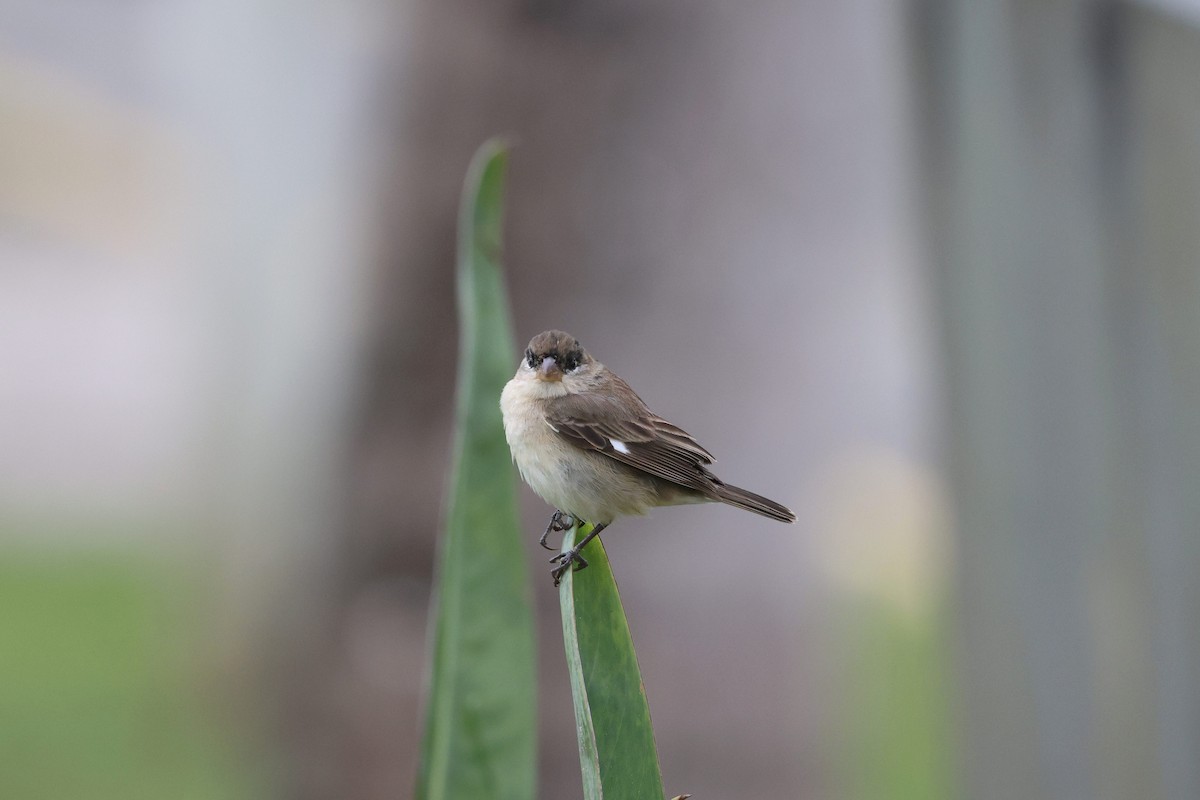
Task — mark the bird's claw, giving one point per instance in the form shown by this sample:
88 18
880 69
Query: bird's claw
557 524
564 561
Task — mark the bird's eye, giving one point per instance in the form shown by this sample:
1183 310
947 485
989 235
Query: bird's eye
529 359
571 362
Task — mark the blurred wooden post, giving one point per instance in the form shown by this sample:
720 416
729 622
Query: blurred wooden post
1063 142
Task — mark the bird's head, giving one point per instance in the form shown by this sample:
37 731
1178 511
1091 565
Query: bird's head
551 355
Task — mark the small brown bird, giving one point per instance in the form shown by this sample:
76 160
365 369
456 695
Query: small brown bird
588 445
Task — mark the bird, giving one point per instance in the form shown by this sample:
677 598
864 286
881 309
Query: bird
589 446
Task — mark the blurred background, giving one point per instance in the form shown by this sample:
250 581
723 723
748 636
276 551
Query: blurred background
926 272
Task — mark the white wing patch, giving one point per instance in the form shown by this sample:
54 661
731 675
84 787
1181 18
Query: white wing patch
619 446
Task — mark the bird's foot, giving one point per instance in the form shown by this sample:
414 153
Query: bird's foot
564 561
558 523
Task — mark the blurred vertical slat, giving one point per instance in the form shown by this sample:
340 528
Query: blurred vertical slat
1165 77
1063 145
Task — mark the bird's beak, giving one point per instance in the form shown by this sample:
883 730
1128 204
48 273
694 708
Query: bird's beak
549 371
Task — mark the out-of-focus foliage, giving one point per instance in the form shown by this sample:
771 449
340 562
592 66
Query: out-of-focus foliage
97 700
899 744
480 731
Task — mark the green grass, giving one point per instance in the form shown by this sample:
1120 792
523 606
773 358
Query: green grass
900 744
97 695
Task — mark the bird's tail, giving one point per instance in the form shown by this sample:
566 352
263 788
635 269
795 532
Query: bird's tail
754 502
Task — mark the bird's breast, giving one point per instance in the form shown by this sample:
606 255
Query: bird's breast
579 482
540 455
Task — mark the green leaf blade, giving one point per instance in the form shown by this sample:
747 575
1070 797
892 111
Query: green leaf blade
618 757
480 732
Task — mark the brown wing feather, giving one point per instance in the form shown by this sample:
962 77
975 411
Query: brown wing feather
592 420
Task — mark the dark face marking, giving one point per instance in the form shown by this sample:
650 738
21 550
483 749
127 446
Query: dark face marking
562 347
570 361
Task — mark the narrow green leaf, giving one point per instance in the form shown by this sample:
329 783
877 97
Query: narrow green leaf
480 726
616 741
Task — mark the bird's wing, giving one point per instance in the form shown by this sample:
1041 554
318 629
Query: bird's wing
617 424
